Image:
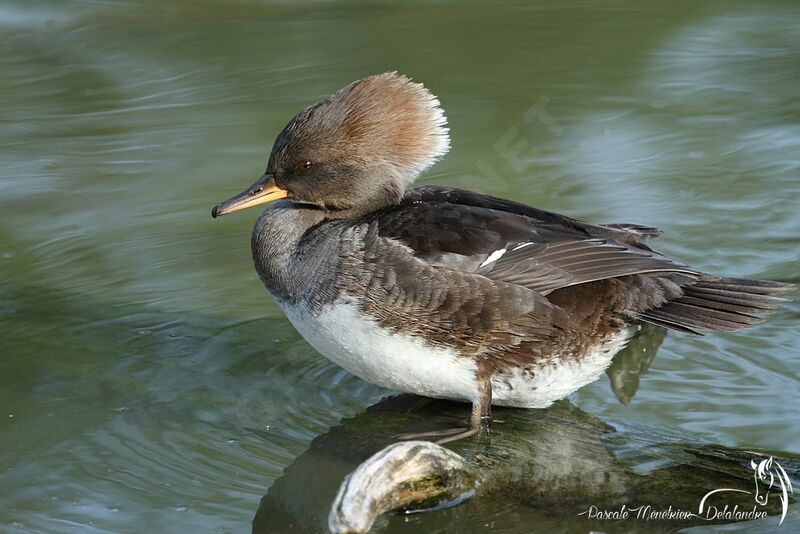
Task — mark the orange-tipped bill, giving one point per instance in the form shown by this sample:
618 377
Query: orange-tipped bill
264 190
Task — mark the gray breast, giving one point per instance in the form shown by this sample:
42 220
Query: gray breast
296 253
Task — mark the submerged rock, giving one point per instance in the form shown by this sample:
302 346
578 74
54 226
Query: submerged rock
412 475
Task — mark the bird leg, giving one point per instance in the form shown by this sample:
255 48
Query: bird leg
481 417
480 420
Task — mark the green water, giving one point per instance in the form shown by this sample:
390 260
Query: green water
148 383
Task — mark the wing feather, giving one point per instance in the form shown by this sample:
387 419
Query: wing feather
546 268
498 248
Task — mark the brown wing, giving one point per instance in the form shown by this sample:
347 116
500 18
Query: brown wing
543 252
546 268
517 244
448 196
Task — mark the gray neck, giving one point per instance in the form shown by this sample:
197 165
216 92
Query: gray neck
296 263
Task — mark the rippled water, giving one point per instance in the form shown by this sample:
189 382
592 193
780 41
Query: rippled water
147 382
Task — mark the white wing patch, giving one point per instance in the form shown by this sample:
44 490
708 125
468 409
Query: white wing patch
494 256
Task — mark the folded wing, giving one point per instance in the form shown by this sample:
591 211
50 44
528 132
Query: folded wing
548 267
544 252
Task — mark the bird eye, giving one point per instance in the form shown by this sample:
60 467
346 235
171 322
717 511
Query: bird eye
304 166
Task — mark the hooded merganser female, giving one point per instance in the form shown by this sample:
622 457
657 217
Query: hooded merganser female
448 293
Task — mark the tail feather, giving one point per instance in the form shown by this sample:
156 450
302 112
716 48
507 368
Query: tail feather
727 305
735 298
722 304
753 287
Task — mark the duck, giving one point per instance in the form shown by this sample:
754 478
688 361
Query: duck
448 293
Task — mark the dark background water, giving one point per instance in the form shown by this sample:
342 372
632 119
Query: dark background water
147 382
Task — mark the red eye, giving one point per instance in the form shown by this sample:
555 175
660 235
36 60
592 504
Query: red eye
304 166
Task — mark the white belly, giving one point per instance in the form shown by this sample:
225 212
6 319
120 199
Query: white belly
557 380
408 364
393 361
